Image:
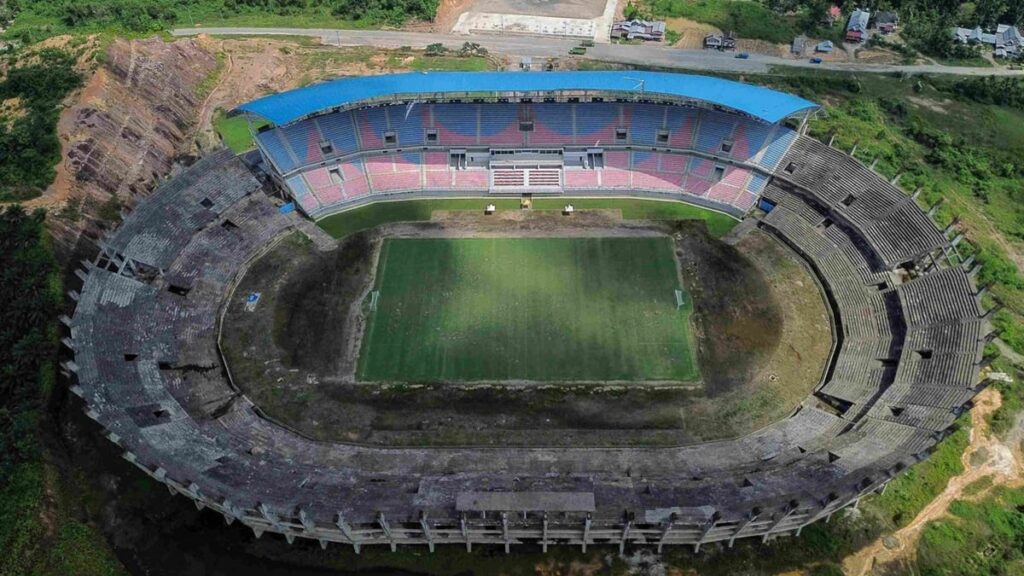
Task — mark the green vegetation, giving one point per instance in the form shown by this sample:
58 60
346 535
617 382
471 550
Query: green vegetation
528 308
234 131
37 18
29 148
36 534
363 218
981 538
956 141
910 492
746 18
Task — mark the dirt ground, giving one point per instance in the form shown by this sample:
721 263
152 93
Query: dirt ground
987 456
296 355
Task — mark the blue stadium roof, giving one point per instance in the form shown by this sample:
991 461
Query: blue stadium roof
286 107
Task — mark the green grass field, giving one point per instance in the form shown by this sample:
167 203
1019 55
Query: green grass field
235 133
548 309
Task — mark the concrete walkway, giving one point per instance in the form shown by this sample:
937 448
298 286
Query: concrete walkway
541 47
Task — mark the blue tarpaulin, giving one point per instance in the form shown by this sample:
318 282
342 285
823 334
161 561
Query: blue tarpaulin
768 105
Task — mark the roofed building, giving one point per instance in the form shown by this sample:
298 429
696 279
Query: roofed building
639 30
857 27
1006 41
887 21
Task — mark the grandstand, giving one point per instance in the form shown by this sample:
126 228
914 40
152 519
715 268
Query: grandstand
909 337
672 144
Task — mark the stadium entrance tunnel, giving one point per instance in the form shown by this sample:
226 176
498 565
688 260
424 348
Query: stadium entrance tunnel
527 328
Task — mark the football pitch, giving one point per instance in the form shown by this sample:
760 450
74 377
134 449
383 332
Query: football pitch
541 309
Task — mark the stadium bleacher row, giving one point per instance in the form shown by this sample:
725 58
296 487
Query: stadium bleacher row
337 135
887 218
910 350
325 189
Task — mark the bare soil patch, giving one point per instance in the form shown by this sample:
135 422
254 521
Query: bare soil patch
759 352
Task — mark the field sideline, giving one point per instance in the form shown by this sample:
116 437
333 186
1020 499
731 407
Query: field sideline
541 309
365 217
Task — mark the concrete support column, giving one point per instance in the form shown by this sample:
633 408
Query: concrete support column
625 536
754 514
465 533
383 522
504 532
425 526
346 529
544 534
665 531
586 532
790 509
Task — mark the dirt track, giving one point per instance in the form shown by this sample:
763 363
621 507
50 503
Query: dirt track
985 456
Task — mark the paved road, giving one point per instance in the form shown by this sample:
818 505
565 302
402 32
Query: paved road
541 47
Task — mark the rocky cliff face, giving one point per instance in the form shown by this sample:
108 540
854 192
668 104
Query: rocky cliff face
127 128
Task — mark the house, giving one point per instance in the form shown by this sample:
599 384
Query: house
799 44
857 27
887 21
639 30
1006 41
725 41
825 47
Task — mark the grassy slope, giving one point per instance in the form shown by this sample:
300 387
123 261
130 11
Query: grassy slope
528 308
748 19
234 132
345 223
985 537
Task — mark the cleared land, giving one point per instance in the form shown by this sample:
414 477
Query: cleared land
565 309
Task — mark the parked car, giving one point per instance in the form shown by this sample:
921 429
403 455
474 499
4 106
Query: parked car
577 50
742 55
815 60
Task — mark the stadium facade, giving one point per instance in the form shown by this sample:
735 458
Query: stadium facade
909 337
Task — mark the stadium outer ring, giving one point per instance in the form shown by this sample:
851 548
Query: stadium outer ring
483 506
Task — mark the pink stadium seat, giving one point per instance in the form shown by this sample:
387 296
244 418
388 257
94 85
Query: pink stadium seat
352 169
436 161
675 163
408 162
581 179
616 160
379 165
615 178
356 188
647 161
438 180
681 125
330 195
696 186
701 168
653 181
371 129
471 179
736 176
318 178
396 182
744 201
721 192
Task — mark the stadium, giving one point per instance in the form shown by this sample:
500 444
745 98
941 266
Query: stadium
515 277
